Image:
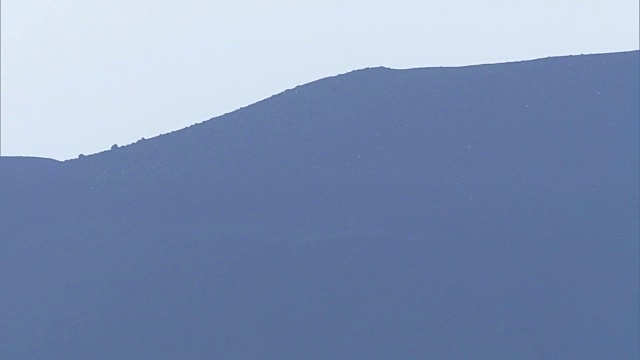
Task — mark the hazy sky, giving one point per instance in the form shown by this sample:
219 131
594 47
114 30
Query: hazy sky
80 76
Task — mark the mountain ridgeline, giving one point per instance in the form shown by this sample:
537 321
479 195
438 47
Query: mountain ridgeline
485 212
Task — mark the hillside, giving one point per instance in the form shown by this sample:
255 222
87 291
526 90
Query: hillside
476 212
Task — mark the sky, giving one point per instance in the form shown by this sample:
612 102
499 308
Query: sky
80 76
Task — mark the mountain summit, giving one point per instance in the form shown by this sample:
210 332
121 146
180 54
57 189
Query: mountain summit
483 212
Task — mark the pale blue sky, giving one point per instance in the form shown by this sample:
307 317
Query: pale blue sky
80 76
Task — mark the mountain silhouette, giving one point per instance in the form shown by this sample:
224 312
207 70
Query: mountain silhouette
485 212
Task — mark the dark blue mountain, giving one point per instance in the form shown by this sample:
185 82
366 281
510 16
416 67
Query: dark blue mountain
481 212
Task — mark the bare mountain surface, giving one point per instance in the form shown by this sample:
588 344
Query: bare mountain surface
485 212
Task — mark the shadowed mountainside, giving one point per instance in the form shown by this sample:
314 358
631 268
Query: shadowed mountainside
477 212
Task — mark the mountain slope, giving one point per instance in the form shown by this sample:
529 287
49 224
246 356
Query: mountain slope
478 212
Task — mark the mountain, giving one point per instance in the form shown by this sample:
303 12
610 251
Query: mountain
484 212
